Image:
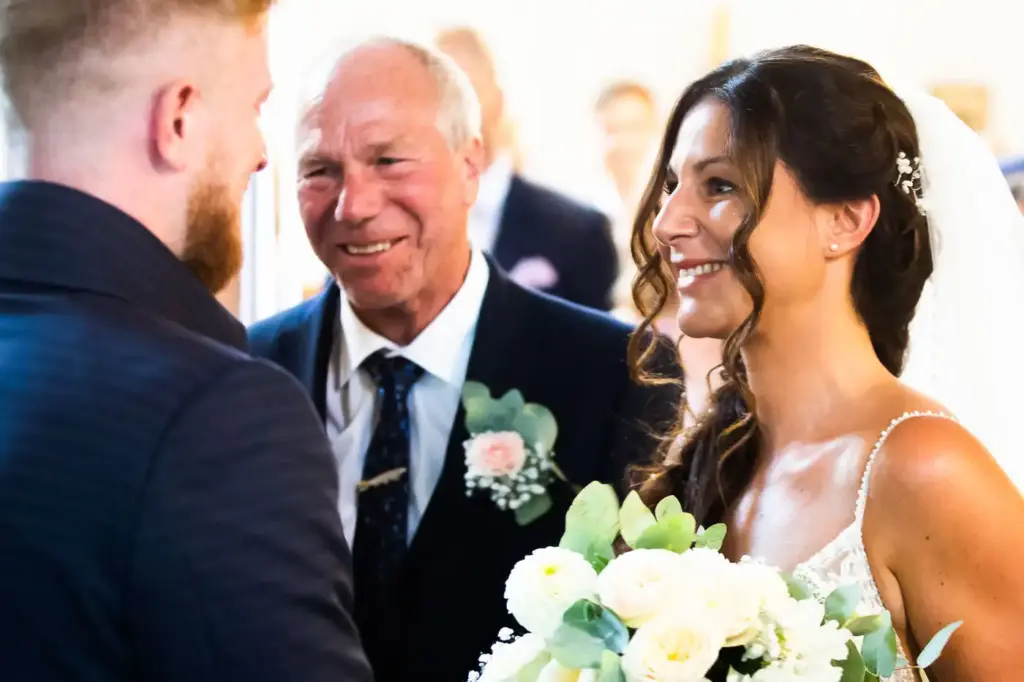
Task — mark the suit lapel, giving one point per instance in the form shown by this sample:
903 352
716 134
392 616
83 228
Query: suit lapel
316 342
500 351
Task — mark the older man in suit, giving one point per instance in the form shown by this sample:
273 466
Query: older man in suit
167 503
389 164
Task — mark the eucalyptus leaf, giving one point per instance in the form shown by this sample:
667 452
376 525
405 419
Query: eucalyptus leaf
600 622
599 555
853 666
537 426
512 401
634 518
575 649
488 418
472 390
674 533
668 506
592 519
842 603
933 649
712 538
798 589
863 625
536 507
586 633
611 668
879 648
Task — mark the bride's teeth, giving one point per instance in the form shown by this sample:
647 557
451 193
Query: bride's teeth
368 249
704 269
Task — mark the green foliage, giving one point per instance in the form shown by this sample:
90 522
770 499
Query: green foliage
536 507
933 649
511 412
587 632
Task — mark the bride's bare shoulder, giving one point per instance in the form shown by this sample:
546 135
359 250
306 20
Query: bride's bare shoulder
928 457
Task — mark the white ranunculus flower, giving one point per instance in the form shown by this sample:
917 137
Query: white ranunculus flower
543 585
638 585
673 648
555 672
508 659
731 592
800 646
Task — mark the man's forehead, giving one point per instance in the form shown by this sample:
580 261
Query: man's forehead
373 123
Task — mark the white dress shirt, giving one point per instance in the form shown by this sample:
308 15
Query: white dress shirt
485 215
442 350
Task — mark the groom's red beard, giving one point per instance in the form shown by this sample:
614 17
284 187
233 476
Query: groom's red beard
213 240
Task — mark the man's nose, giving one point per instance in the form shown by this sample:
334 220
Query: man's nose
359 200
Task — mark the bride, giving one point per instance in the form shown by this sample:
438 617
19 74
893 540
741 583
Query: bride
797 205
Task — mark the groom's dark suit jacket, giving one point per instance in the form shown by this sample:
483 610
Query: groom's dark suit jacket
568 358
167 503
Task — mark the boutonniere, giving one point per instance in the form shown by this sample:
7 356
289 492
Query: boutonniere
510 452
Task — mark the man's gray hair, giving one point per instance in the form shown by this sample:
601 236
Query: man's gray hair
459 116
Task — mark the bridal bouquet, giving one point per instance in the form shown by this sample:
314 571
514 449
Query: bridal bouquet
674 609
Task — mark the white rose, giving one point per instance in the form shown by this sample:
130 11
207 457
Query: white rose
507 660
638 585
545 584
673 649
733 593
555 672
807 637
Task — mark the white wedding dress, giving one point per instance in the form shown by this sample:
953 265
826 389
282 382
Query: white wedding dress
843 561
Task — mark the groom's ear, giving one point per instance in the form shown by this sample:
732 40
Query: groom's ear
849 224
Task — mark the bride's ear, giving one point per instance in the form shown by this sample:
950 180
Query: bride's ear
849 225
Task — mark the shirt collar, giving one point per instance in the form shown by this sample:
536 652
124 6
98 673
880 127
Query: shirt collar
435 349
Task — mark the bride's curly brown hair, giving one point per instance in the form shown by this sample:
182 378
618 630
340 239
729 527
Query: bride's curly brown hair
838 128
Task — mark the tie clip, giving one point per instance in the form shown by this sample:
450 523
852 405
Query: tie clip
385 478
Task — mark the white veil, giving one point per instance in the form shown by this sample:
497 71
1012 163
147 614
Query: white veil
965 334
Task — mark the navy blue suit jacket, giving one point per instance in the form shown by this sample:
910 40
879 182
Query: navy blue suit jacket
574 239
167 503
563 356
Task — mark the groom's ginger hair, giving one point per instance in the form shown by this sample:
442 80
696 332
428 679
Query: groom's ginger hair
51 51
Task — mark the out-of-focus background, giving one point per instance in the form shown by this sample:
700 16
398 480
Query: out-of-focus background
587 84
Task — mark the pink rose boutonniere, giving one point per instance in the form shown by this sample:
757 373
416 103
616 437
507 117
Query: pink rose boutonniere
510 452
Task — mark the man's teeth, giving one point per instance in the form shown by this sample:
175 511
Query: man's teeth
704 269
379 247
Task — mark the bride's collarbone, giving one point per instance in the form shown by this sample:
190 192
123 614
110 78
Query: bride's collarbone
797 502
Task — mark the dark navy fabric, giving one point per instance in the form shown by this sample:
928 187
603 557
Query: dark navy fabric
167 503
568 358
382 519
575 239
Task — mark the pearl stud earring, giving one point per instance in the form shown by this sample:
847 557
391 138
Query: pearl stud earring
833 247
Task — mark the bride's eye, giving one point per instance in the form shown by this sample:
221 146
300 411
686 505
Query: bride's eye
670 184
718 186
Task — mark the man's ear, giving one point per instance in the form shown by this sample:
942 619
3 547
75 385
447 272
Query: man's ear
175 123
472 163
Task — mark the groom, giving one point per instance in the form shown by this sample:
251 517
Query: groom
389 162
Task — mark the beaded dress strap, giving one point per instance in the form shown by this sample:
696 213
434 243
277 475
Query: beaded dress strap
862 494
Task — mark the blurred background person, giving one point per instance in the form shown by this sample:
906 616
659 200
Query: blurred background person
545 240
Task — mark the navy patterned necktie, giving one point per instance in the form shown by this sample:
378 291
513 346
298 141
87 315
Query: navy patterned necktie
383 509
